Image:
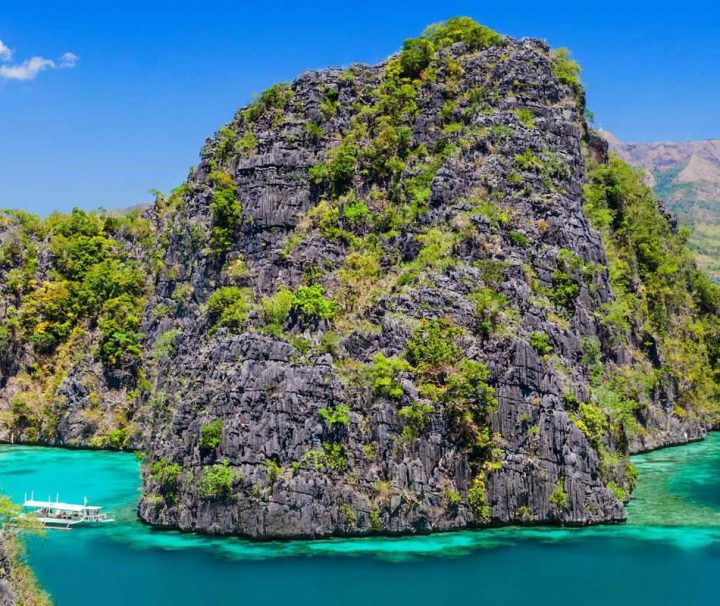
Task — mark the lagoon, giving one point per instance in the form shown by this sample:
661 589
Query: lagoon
667 553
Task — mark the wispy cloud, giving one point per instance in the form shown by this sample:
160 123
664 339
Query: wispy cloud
6 53
30 68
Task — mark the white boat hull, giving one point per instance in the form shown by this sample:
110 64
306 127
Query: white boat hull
60 523
65 516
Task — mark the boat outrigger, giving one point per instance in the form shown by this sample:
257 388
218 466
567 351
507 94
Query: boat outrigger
65 516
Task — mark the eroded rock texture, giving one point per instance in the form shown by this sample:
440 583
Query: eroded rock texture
491 113
376 305
7 594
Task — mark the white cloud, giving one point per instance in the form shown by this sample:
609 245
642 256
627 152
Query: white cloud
68 60
6 53
30 68
27 70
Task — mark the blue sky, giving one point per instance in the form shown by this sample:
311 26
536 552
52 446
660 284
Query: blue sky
126 92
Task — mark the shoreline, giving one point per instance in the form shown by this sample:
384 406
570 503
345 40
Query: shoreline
264 540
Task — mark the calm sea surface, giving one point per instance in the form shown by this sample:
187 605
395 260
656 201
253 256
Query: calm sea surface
667 553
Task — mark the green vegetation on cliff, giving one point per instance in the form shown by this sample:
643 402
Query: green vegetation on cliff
73 287
14 572
660 295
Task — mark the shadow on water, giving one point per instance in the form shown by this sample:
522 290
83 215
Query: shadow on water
669 551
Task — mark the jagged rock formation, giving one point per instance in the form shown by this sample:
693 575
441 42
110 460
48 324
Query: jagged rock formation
496 244
70 289
17 583
378 305
7 595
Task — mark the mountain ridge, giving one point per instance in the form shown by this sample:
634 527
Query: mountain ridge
686 175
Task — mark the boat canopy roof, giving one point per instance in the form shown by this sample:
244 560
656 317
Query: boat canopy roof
60 506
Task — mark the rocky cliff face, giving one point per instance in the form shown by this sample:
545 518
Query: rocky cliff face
17 583
7 595
70 360
377 305
436 378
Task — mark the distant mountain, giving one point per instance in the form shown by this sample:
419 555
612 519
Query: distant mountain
687 176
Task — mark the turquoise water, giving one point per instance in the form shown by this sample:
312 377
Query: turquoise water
668 553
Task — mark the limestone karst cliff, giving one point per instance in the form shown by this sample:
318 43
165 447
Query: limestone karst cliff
399 298
18 586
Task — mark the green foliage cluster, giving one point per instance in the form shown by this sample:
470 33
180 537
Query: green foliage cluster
453 497
94 279
375 520
657 288
620 493
548 165
309 303
526 118
12 514
384 375
16 572
117 438
164 344
274 469
564 289
314 131
493 311
592 422
229 144
433 345
361 268
338 415
445 376
356 212
211 435
166 474
565 69
417 53
477 499
339 170
236 270
518 238
470 400
540 342
217 481
226 212
330 458
379 144
276 308
558 496
490 270
592 358
528 161
437 245
415 418
349 514
119 324
496 216
330 103
273 102
228 306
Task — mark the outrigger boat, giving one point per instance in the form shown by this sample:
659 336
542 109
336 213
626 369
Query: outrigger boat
65 516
